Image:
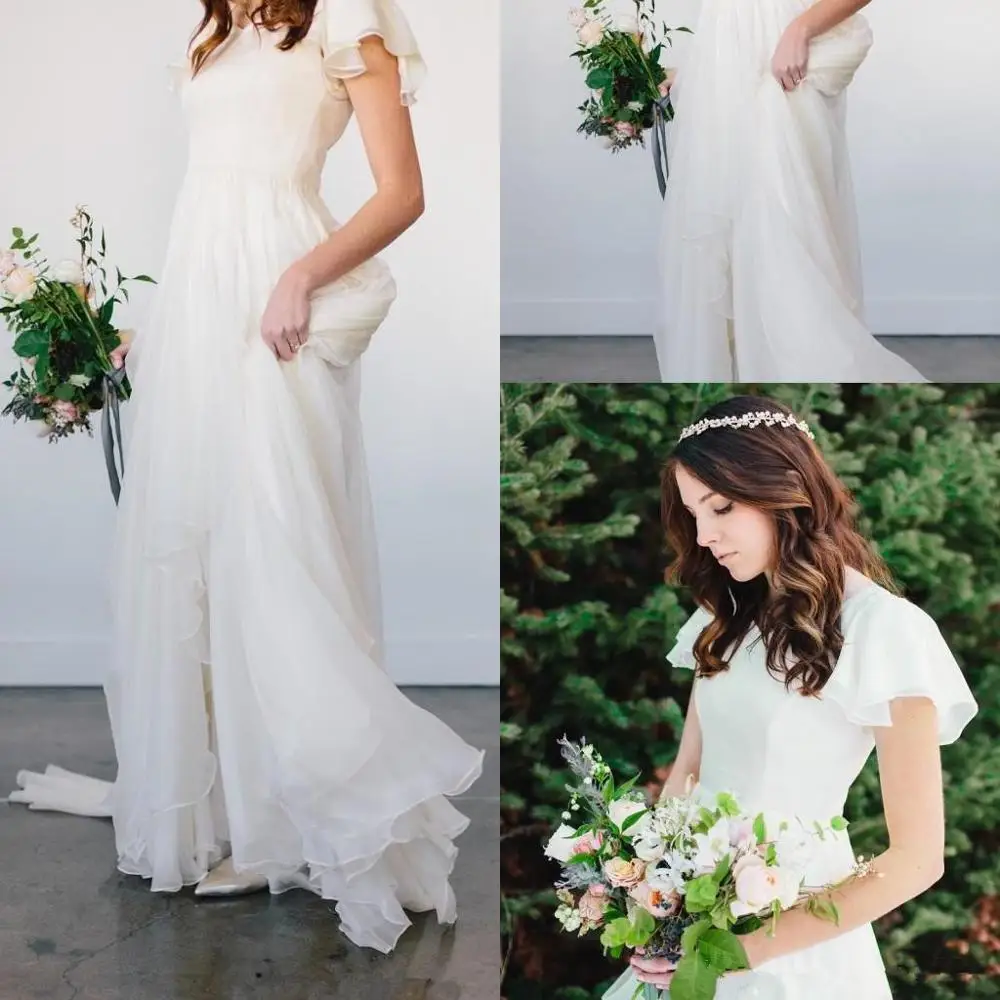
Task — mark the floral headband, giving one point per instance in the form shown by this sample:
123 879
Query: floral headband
751 420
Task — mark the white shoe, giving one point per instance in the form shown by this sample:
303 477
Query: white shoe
224 880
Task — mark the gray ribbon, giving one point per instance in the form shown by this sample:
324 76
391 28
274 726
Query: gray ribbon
111 386
659 144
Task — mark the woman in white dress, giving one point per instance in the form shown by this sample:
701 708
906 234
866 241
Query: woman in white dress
805 660
252 717
760 276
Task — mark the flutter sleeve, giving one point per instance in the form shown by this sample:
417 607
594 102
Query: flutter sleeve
681 653
347 22
894 649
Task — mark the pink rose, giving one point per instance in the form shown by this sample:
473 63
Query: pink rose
591 34
625 128
64 412
591 907
20 284
589 843
624 874
758 885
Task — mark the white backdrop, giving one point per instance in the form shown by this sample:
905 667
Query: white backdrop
580 224
88 118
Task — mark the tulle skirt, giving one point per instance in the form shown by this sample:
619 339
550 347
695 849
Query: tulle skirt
247 694
759 260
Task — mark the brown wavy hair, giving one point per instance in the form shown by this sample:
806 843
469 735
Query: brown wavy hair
294 15
796 605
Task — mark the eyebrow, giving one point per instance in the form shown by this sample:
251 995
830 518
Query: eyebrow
711 493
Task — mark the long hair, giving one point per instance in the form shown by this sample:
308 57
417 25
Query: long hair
294 15
796 606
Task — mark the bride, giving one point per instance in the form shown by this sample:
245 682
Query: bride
805 660
760 276
260 742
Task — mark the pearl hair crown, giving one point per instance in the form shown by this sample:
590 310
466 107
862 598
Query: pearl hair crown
749 420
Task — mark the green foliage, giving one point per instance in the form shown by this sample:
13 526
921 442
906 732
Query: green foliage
586 620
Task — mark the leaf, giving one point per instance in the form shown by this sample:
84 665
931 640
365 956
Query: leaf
838 823
31 344
143 277
759 828
693 979
66 391
599 79
722 951
701 894
633 819
18 232
691 934
728 804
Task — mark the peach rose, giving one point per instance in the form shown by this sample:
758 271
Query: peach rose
20 284
624 874
591 34
589 843
759 885
591 906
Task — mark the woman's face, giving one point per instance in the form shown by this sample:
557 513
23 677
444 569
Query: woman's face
741 538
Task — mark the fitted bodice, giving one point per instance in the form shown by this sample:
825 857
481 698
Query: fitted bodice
258 109
777 750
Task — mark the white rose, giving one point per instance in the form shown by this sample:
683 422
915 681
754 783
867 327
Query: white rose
578 17
628 23
591 34
758 886
80 381
8 261
20 284
561 844
794 849
68 272
621 809
649 850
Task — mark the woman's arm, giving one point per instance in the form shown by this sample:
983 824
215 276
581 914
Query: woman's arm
791 58
398 201
910 773
826 14
688 760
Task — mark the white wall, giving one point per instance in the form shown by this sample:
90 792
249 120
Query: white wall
580 225
91 120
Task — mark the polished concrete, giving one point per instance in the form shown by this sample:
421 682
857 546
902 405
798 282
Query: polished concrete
633 359
73 928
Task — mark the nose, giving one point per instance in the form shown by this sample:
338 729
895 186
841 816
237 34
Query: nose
707 535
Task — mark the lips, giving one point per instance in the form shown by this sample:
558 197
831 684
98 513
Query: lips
723 557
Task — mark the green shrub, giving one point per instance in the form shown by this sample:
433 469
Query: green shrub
586 619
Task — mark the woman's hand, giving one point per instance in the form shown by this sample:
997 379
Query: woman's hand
284 326
655 971
791 58
117 356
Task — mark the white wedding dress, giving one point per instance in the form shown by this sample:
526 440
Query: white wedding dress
248 700
790 756
760 276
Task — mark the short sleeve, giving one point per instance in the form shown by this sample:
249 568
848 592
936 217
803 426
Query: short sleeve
682 652
894 649
346 22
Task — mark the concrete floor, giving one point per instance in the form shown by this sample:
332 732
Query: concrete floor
73 928
633 359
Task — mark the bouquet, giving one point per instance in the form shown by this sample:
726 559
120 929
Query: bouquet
64 336
681 879
630 88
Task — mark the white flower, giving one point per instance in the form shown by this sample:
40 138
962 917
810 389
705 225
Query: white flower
80 381
68 272
794 849
635 105
621 809
578 17
712 847
649 850
591 34
20 285
561 844
759 885
8 261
